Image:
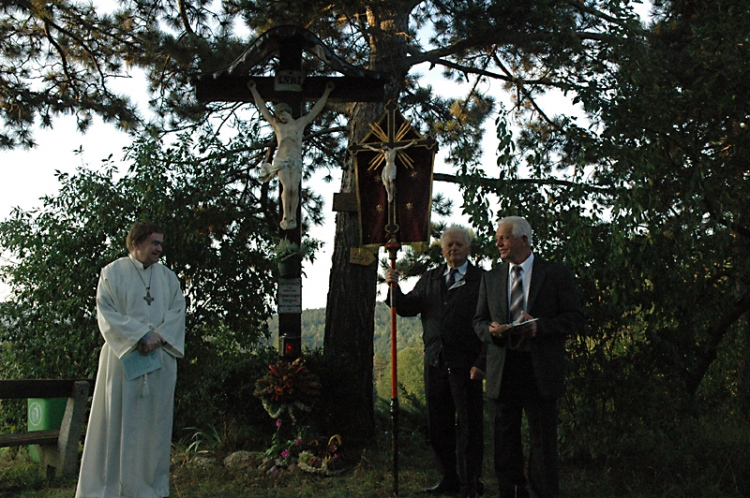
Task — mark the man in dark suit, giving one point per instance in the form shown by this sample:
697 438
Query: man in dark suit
525 363
446 298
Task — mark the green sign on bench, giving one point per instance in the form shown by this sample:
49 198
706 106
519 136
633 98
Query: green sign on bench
44 414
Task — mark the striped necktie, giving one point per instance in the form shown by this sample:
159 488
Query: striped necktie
452 277
516 294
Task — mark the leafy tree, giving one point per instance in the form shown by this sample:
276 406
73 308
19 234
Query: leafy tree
60 57
643 195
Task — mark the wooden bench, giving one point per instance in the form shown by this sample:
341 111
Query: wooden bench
58 449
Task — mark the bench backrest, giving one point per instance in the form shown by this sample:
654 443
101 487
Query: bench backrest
41 388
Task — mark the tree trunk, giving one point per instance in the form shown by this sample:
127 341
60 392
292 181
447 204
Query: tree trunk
707 354
350 309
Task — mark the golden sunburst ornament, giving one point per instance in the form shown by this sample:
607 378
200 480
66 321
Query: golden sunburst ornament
381 135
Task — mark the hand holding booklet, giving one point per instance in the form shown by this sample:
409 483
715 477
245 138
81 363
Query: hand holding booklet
135 364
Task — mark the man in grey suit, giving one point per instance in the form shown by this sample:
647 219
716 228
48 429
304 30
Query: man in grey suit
525 358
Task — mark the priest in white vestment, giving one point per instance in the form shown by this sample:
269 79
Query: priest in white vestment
141 311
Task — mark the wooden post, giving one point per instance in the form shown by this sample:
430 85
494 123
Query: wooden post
71 428
61 458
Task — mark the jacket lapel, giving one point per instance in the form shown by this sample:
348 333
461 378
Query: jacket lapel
538 272
502 293
470 275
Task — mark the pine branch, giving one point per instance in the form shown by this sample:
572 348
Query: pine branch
494 182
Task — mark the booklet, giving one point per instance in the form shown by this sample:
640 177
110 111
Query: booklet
135 364
519 324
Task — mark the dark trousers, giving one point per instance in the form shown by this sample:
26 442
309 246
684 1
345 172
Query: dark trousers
454 422
519 393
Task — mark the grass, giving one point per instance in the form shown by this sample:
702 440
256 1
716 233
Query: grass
706 461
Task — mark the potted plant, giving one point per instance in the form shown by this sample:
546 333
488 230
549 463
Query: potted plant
288 256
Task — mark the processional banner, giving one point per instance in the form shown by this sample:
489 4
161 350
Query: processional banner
394 148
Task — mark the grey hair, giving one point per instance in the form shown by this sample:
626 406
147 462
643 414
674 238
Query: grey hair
520 226
456 229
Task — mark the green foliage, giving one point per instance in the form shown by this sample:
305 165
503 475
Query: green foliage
58 57
286 249
198 443
49 326
215 389
410 376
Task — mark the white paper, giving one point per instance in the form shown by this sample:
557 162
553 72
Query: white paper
519 324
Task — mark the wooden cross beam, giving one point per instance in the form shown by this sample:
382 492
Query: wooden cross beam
290 83
234 89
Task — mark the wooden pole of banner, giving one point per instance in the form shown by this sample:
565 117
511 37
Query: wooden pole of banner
393 247
389 144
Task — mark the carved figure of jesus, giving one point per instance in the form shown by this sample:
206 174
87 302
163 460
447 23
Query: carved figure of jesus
287 162
388 175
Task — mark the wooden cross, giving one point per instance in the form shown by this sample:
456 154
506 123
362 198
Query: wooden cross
291 85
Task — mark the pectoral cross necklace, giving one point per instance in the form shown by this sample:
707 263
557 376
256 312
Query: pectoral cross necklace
147 297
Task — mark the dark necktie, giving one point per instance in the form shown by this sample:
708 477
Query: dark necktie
452 277
516 294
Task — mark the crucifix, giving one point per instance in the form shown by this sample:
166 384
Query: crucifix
389 172
290 87
287 161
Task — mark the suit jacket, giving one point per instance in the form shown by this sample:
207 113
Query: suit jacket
554 300
447 315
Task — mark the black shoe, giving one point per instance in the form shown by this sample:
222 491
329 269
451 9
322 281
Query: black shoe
515 492
479 485
443 488
468 491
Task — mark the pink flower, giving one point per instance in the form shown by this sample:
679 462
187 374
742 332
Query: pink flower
285 454
278 422
298 442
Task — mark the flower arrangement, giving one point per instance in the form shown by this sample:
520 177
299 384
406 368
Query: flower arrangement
289 256
283 452
315 456
287 388
321 458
